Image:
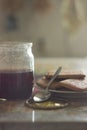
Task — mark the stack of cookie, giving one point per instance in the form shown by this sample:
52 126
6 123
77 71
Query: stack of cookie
72 80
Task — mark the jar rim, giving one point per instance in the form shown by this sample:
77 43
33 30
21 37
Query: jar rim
15 43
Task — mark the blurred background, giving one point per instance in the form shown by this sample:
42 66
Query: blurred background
57 28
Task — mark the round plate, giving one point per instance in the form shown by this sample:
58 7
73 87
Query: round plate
69 94
65 93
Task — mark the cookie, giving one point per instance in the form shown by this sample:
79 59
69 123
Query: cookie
75 84
43 82
71 84
66 74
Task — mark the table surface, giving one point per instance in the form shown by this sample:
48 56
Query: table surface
18 112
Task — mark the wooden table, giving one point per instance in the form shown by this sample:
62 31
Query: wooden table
15 115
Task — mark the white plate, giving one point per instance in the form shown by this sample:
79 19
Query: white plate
67 93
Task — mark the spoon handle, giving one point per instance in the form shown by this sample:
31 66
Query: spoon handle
54 76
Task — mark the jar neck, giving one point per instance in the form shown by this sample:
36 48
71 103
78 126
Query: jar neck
16 46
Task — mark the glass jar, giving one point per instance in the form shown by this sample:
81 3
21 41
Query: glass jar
16 70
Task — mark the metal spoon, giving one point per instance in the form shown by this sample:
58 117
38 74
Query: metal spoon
44 95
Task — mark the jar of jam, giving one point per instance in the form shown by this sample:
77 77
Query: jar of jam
16 70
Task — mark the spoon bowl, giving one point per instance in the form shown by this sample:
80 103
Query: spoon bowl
44 94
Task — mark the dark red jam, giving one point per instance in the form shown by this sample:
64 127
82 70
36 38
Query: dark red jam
16 85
